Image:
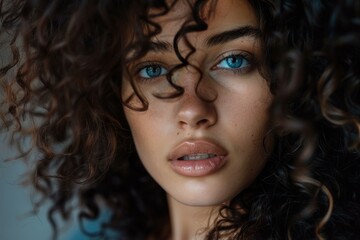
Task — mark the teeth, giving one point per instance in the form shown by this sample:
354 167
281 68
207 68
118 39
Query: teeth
199 156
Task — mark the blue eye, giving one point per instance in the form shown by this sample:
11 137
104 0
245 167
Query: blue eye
152 71
233 62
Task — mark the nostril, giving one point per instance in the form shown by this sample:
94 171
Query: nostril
202 122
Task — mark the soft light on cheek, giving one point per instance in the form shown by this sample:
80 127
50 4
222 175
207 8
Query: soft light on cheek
230 80
132 101
219 77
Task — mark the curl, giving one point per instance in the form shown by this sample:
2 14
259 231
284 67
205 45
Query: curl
67 80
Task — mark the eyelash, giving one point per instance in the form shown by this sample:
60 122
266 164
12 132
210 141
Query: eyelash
143 66
247 57
244 57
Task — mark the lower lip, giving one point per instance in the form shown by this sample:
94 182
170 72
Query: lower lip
198 168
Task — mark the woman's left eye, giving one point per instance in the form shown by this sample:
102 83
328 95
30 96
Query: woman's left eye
152 71
233 62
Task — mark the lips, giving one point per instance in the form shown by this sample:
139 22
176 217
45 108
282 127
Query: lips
197 158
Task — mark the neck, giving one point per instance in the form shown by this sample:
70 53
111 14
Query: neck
189 222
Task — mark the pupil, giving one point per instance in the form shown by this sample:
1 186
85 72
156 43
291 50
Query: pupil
234 62
153 71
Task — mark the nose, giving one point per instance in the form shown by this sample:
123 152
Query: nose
195 112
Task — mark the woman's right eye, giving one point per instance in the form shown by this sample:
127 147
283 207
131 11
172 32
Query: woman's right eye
152 71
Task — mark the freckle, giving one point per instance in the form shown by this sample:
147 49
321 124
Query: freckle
177 133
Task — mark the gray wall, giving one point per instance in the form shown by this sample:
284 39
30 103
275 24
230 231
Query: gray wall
16 201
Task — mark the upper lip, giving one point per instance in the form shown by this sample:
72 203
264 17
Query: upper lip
191 147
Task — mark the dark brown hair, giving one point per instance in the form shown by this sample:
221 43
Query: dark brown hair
65 72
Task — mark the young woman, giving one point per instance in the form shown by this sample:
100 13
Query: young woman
232 119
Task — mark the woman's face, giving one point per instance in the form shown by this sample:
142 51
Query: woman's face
205 146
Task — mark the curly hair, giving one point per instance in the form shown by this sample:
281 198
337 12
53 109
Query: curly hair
65 73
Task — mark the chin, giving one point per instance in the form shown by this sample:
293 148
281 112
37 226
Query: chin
203 198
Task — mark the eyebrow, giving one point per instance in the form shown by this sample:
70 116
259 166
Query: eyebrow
161 46
217 39
227 36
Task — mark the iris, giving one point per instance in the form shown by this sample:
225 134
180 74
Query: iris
152 71
233 62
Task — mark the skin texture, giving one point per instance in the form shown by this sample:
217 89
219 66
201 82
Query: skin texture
228 109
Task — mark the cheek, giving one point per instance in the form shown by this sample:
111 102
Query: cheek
248 121
247 112
258 125
141 129
147 131
149 141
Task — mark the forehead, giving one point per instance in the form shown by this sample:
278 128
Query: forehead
219 15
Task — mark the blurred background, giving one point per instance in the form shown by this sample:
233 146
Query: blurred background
17 220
